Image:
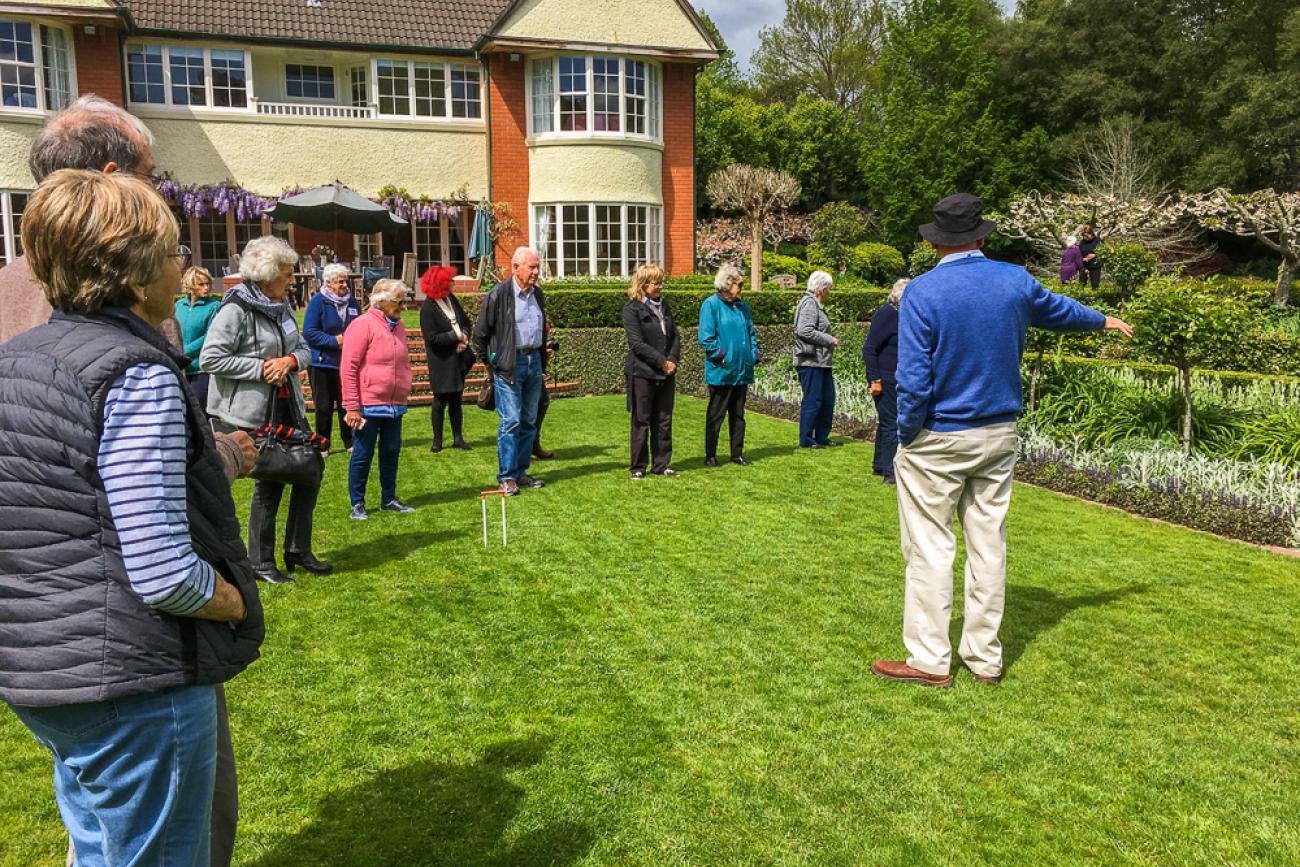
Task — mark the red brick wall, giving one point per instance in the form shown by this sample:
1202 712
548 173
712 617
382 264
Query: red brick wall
99 62
508 126
679 168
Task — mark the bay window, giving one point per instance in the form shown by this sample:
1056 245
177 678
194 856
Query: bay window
601 239
35 66
177 75
597 94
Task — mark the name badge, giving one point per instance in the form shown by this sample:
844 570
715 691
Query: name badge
288 325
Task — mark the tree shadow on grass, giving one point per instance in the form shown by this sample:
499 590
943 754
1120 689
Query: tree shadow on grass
433 814
389 548
1031 611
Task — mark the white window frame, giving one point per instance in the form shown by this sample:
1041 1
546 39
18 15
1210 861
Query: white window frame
9 238
447 67
653 104
556 238
442 242
38 64
316 100
250 102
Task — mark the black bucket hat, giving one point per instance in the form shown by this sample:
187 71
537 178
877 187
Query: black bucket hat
958 221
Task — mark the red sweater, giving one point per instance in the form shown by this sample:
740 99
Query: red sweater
375 368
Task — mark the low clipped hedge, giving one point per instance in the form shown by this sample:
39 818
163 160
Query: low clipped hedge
1227 378
588 308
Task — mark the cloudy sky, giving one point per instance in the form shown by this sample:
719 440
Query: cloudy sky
740 21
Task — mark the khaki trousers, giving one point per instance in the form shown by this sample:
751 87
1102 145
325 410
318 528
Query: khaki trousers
966 473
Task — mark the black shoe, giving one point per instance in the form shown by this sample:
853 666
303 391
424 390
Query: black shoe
741 460
435 447
527 481
831 444
307 561
271 575
890 480
638 474
710 462
667 472
396 505
462 445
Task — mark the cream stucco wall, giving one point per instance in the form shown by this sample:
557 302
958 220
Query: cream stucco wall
267 157
614 172
15 145
658 23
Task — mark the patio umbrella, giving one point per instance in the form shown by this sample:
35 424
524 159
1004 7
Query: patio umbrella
335 208
480 237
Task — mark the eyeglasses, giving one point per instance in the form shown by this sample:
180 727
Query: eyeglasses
151 178
182 252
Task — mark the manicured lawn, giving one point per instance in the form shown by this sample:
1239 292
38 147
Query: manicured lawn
677 671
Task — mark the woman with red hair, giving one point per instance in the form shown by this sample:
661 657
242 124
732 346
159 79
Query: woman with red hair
446 331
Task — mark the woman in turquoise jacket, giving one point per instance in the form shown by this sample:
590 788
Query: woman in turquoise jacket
194 312
730 346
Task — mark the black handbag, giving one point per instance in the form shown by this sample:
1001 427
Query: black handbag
288 454
487 394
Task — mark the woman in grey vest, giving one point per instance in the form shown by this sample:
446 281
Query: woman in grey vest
814 345
126 595
254 352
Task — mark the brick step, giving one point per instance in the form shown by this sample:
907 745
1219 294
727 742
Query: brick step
425 398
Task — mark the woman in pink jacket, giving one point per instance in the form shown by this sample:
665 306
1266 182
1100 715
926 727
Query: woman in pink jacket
376 375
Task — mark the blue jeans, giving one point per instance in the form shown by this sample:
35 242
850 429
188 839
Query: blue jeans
517 406
817 409
388 431
133 776
882 463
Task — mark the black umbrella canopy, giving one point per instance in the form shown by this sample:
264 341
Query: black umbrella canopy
335 208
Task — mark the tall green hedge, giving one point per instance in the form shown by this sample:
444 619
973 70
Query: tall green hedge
587 308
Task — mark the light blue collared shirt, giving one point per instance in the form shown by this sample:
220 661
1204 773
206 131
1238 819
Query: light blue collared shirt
964 254
528 318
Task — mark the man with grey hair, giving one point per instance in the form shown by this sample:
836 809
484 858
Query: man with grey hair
92 134
509 338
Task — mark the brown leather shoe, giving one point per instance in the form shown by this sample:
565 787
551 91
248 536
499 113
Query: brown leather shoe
542 454
986 678
901 671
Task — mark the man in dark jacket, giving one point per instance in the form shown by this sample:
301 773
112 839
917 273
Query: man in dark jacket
509 337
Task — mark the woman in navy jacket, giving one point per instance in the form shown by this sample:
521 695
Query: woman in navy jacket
328 315
880 354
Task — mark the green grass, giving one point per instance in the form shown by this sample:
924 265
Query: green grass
677 671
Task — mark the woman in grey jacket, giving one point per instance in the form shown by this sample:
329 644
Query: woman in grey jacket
254 352
813 346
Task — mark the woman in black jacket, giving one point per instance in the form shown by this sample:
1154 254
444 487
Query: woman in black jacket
880 354
654 350
446 331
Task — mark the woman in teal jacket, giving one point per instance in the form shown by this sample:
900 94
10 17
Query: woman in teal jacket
194 311
730 346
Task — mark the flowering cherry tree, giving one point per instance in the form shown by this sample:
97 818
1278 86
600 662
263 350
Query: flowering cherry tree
1270 217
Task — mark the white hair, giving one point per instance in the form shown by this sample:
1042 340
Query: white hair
92 104
726 275
523 252
1071 241
387 289
819 281
262 257
333 270
896 294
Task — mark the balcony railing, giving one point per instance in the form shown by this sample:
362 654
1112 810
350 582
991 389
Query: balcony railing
324 112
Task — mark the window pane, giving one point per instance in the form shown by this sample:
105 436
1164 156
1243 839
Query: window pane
634 88
604 82
543 96
394 87
573 94
187 76
430 90
577 239
54 51
16 42
466 100
246 231
544 236
652 73
309 82
638 251
360 87
609 239
229 81
655 253
17 69
144 69
213 252
428 245
18 85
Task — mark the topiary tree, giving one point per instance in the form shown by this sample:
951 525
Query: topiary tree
753 193
879 263
837 227
1126 266
1183 324
922 259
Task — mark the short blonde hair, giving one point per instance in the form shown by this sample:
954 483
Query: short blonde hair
93 240
726 275
263 257
644 276
387 289
191 276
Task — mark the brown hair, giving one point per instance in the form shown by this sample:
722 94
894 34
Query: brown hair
191 276
645 275
92 240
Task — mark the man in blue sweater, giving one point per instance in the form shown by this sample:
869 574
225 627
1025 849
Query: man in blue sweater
961 334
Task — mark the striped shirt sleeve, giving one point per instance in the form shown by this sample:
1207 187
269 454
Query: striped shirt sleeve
142 462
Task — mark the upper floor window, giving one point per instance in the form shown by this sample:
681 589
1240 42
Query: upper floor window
309 82
407 88
35 66
183 75
594 94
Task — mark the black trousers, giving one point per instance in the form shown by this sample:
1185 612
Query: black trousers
448 402
652 422
728 401
262 518
327 392
199 385
1094 276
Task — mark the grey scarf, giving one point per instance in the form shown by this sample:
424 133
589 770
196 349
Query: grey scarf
254 297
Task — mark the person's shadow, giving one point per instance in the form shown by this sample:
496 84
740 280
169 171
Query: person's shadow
389 548
1031 611
433 814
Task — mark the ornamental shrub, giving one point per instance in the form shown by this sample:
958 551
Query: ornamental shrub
1126 266
837 227
879 263
922 259
774 263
